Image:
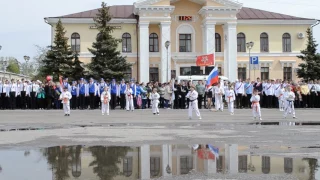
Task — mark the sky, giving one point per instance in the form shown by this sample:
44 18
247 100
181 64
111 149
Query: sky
22 25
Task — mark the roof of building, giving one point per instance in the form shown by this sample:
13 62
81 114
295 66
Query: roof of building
126 12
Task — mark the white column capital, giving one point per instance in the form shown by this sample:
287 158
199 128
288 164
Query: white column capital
165 23
144 24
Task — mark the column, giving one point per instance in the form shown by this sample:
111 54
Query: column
165 54
231 155
145 162
210 166
210 37
166 159
230 50
144 52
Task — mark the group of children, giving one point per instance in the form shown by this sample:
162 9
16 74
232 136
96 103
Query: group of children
286 98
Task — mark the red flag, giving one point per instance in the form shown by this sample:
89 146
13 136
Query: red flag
205 60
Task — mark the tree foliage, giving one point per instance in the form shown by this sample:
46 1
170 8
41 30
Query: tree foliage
13 65
310 68
77 70
58 60
107 61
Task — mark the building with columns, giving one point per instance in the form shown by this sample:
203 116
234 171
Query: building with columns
193 28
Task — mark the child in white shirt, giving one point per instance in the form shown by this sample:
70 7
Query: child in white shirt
255 100
230 97
289 97
155 101
105 98
65 97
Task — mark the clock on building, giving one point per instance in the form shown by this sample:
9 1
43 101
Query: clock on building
185 18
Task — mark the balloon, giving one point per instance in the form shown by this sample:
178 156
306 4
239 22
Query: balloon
49 78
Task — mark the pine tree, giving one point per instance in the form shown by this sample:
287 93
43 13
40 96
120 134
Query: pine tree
310 68
58 61
107 61
77 69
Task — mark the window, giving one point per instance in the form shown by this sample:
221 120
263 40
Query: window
287 73
218 42
286 42
220 164
127 166
288 165
264 73
128 74
173 74
154 166
242 164
184 42
184 71
186 164
241 42
126 42
242 73
220 71
264 42
265 164
153 43
75 42
154 74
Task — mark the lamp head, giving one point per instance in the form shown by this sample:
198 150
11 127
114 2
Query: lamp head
167 44
250 44
26 58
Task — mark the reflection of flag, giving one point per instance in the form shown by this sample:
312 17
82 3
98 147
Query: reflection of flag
205 154
213 77
214 151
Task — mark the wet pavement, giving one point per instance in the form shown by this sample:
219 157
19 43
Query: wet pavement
176 161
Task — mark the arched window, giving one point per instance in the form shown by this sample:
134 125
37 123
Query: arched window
154 166
288 165
218 42
186 164
264 42
75 42
126 42
185 38
241 42
127 166
265 164
286 42
153 43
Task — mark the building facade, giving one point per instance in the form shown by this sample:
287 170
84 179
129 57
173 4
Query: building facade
193 28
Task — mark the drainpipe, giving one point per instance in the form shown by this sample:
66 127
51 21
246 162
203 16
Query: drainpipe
137 35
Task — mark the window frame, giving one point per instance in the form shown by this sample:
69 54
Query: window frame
264 42
218 42
155 166
287 72
154 46
75 42
127 167
286 42
241 42
188 38
264 73
242 74
126 43
186 164
184 74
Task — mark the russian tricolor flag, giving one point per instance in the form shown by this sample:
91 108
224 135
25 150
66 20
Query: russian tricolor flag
214 151
213 77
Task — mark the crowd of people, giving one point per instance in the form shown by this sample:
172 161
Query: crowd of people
35 94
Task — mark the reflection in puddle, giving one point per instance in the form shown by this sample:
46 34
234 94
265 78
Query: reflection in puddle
145 162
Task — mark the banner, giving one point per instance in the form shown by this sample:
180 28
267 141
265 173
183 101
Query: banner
205 60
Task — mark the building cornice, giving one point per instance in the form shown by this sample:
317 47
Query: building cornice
88 21
153 9
276 22
206 11
232 3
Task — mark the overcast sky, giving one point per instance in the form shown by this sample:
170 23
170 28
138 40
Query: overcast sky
22 25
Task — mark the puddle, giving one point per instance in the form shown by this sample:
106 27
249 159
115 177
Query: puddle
149 162
286 123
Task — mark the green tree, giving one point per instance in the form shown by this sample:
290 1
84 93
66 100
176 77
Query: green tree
77 70
13 65
58 61
107 61
36 67
310 68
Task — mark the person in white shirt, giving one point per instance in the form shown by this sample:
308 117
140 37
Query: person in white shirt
230 98
317 83
239 89
105 100
312 94
13 94
18 92
65 97
255 100
279 94
24 89
289 97
218 93
129 98
269 90
193 102
154 96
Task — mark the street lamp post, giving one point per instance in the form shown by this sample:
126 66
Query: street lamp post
249 46
26 58
167 44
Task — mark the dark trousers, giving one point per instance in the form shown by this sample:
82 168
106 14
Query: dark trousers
312 98
183 101
3 101
97 102
113 101
18 102
32 100
82 101
176 101
239 101
247 103
12 100
269 101
161 102
122 101
318 100
49 102
275 102
304 100
41 103
92 100
200 97
74 102
23 102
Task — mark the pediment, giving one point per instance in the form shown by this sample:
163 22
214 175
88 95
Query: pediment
213 3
